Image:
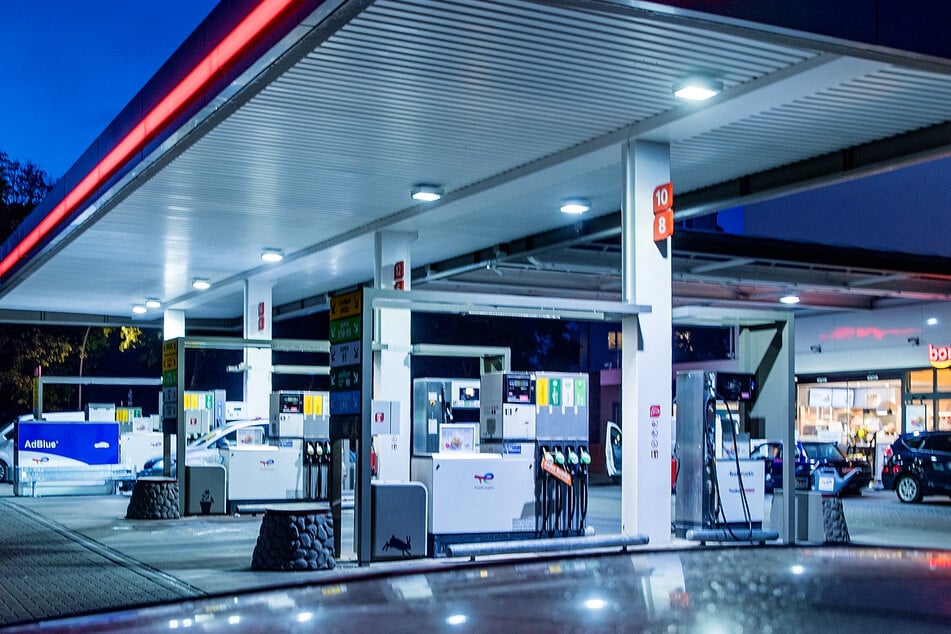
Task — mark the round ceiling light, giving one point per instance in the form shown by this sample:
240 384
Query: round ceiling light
698 88
575 206
201 284
789 299
272 255
426 193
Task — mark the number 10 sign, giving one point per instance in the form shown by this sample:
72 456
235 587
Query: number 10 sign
663 211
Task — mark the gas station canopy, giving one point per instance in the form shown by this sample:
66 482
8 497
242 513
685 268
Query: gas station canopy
303 127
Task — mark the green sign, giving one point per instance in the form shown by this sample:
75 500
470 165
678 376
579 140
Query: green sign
345 329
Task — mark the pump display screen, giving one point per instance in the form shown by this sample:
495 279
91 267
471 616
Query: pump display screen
736 387
292 403
519 390
468 394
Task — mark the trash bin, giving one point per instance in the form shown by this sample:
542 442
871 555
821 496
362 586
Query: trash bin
206 490
809 524
399 517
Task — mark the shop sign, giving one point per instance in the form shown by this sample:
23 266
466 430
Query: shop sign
940 356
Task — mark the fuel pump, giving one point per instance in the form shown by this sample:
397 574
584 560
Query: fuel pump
720 492
301 421
561 427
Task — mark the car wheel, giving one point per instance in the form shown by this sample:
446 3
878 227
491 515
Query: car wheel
908 489
4 471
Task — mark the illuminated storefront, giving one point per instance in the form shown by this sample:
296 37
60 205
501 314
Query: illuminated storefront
857 412
864 377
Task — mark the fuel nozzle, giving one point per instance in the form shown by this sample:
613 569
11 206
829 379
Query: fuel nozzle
585 456
572 457
559 456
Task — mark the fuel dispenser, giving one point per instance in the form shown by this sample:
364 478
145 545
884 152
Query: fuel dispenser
561 428
720 491
301 421
438 402
475 491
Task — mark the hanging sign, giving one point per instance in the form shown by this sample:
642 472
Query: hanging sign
663 202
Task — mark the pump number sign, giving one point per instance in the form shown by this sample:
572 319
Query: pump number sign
663 203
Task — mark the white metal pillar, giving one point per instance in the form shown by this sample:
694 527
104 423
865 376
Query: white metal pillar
391 363
173 324
257 325
646 349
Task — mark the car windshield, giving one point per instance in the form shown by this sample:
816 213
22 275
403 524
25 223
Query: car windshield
823 451
204 440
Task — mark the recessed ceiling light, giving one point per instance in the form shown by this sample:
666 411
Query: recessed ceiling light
426 193
932 321
272 255
139 309
201 284
789 299
153 303
575 206
698 88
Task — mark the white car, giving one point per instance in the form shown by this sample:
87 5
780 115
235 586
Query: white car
204 450
7 439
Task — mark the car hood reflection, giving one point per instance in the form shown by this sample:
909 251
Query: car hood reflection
731 589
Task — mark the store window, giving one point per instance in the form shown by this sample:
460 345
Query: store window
855 414
920 382
944 380
944 414
927 400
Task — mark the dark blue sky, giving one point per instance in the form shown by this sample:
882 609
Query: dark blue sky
70 66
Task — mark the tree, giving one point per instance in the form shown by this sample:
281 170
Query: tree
22 187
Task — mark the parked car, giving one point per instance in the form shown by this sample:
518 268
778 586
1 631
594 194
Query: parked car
918 464
820 466
204 450
771 452
7 440
612 456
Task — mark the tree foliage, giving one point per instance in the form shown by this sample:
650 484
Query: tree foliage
22 187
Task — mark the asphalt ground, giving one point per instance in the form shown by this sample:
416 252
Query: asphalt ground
65 555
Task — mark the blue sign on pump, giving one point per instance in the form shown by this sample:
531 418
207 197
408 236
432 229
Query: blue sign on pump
68 443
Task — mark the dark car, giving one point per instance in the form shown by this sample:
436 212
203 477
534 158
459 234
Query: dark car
918 464
772 453
820 466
